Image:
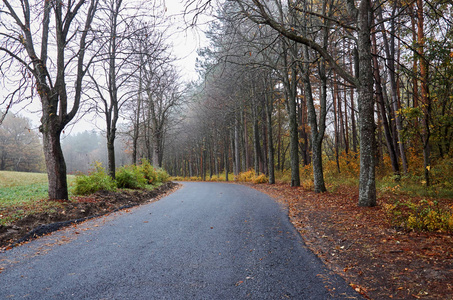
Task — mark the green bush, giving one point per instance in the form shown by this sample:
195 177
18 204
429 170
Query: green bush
148 171
95 181
130 177
162 175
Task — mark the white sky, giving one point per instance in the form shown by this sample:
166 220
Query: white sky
185 44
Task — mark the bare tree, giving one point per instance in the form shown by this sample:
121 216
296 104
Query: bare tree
48 64
156 94
162 96
113 73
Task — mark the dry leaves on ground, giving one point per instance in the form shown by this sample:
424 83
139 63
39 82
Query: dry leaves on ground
378 260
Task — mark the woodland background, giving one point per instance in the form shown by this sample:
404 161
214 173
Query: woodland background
285 91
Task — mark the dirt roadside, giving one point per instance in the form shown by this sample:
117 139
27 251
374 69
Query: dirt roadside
76 211
378 260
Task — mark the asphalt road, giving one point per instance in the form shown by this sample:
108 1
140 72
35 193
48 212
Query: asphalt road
205 241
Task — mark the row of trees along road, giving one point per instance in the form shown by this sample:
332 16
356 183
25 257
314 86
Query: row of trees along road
328 73
111 54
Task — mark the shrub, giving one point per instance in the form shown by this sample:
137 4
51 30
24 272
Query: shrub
148 171
250 176
246 176
260 179
95 181
214 178
162 175
130 177
426 215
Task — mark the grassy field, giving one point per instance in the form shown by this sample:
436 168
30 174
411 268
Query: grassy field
21 187
23 193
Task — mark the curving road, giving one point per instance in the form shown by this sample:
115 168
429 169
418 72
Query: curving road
205 241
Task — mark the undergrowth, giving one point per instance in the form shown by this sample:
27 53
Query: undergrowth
424 215
127 177
130 177
96 180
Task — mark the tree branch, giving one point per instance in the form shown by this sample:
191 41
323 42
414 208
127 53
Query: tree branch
303 40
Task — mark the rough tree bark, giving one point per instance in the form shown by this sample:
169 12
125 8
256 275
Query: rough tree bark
367 184
317 130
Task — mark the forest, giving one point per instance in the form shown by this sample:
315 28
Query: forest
308 89
304 92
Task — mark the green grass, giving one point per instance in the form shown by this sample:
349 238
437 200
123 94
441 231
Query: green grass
15 179
414 188
23 193
17 195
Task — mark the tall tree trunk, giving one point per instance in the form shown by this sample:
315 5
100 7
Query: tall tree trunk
256 141
390 56
367 183
382 111
243 138
304 145
237 153
270 142
155 149
353 120
346 122
341 129
227 165
291 95
317 132
294 139
55 164
335 124
279 139
111 153
136 128
263 151
425 98
415 60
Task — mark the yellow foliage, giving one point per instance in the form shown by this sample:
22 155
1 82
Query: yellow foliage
307 184
260 179
306 171
283 177
216 178
349 165
424 215
246 176
250 176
